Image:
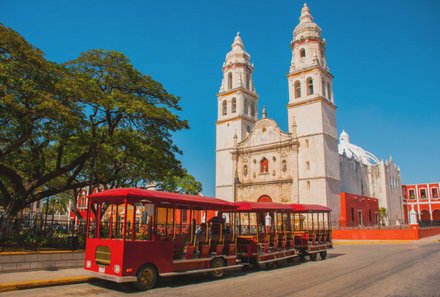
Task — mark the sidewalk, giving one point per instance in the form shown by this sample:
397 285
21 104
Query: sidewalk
41 278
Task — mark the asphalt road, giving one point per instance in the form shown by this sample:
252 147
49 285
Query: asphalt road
373 270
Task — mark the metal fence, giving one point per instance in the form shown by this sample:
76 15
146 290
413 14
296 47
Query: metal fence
34 233
429 224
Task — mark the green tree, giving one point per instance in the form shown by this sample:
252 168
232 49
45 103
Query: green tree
40 125
383 215
94 121
131 121
185 184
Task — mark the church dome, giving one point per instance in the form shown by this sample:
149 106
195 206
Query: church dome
352 151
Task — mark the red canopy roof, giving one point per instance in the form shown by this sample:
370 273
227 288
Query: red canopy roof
138 195
309 208
261 206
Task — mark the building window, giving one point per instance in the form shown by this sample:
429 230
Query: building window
264 165
245 170
434 193
253 109
411 194
302 53
329 92
284 165
248 129
369 215
307 165
308 185
360 222
230 80
234 105
297 86
422 193
224 107
323 87
352 214
309 86
245 107
248 81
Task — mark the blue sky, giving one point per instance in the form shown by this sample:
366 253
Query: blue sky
384 56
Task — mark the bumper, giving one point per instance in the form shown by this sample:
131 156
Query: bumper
113 278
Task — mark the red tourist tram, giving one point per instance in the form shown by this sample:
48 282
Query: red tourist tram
312 230
264 233
136 235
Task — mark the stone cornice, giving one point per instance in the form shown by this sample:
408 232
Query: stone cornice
236 90
310 69
236 118
318 177
300 102
263 183
265 147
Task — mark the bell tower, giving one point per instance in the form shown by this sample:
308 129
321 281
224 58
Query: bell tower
311 105
237 114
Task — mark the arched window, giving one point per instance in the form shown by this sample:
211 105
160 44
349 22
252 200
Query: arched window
245 107
248 81
323 88
264 165
245 170
297 87
224 107
302 53
230 80
234 105
309 86
264 198
253 109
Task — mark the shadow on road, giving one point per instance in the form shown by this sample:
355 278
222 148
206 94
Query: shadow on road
187 280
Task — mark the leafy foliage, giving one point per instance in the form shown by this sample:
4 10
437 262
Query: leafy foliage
95 120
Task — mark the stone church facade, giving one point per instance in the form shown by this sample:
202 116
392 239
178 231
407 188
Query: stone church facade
255 159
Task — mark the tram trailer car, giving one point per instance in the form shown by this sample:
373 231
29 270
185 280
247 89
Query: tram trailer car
312 230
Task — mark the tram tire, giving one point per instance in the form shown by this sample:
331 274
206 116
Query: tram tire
217 263
146 278
302 258
323 255
313 256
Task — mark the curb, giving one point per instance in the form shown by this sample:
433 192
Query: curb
43 283
354 242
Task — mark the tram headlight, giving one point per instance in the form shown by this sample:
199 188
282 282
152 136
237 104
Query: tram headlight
88 264
116 268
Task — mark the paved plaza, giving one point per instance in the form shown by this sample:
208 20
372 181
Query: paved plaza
362 269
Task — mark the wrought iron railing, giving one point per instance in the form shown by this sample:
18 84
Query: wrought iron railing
34 233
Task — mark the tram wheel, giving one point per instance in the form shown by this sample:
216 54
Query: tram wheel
313 256
302 258
217 263
323 255
146 278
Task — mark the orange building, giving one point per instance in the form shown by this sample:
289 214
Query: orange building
358 210
424 198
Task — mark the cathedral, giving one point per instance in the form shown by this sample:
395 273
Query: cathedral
257 161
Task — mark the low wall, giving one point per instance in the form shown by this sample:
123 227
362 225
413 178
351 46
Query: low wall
24 261
412 233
